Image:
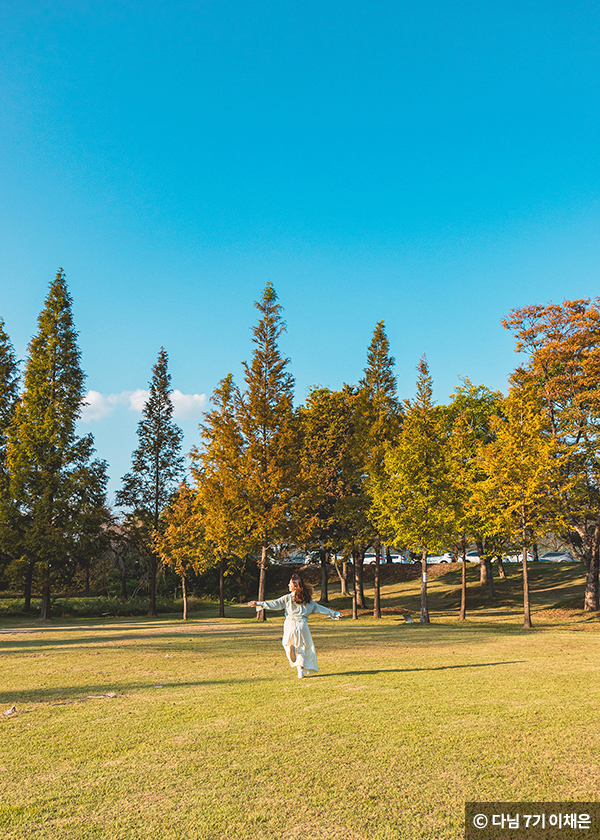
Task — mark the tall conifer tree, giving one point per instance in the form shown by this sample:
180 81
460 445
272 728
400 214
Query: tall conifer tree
381 423
266 420
50 467
156 466
9 393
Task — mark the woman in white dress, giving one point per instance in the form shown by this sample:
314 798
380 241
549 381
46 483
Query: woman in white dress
297 640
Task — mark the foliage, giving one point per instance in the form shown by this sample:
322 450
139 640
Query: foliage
266 420
156 467
413 500
51 468
523 479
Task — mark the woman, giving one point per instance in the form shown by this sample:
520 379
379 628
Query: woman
297 641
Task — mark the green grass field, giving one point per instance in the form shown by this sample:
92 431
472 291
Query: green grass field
137 728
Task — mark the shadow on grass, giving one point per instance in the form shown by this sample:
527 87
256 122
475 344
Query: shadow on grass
413 670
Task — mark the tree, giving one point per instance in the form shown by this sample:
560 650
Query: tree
470 411
9 394
523 475
179 541
381 418
220 490
156 466
327 469
50 467
266 420
413 498
563 345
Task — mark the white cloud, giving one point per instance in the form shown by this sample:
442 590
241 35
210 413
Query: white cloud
137 399
96 406
187 405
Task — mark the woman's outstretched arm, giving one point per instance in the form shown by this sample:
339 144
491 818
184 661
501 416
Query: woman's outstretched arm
278 604
319 608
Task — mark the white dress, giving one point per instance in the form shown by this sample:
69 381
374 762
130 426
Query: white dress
295 629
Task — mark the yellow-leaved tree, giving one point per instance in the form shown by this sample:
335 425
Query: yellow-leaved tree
413 499
523 475
179 539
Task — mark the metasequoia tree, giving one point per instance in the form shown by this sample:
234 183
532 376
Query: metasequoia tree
523 479
156 467
266 420
50 467
179 541
328 468
470 411
563 345
221 500
413 498
381 420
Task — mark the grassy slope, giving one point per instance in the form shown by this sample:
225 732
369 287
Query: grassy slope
403 724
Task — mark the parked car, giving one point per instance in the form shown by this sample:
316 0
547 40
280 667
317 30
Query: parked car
446 557
518 558
396 558
557 557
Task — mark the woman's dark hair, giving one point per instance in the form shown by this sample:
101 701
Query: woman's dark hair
302 593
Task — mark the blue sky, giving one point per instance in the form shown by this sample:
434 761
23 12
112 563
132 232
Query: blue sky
433 164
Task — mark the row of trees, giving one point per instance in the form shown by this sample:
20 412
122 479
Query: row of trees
348 470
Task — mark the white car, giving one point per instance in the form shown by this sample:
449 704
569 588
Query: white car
440 558
557 557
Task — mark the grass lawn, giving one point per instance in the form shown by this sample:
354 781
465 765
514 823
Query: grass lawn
133 728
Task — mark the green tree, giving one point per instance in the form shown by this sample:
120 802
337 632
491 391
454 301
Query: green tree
220 489
9 394
328 466
413 499
156 467
50 467
470 412
266 420
381 421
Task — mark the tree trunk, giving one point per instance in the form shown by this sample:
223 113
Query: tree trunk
388 554
483 569
45 610
501 571
342 576
490 576
359 559
486 578
261 615
28 585
535 552
592 588
124 586
463 585
424 617
324 599
526 607
376 584
153 569
87 579
184 596
222 586
355 586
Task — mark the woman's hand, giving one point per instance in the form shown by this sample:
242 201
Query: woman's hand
251 603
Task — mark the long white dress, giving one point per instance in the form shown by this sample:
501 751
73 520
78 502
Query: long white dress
295 629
